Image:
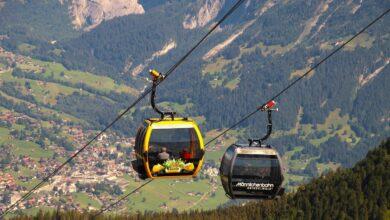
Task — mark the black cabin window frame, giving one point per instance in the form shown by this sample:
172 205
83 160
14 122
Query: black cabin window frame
140 138
227 160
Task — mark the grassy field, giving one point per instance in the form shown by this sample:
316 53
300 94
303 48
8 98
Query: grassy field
31 149
275 49
216 66
326 46
20 148
228 138
298 73
167 194
85 201
47 92
26 48
44 92
29 184
4 135
294 164
323 167
233 84
31 211
179 108
59 72
45 111
334 124
364 40
2 109
215 155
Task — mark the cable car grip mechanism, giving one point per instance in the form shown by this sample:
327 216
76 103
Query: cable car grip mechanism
269 107
157 77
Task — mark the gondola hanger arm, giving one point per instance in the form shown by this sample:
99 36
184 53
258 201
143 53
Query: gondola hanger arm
269 107
157 77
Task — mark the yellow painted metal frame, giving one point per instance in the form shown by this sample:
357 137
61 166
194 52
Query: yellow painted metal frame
173 123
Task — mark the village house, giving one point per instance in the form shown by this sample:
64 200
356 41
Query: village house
7 181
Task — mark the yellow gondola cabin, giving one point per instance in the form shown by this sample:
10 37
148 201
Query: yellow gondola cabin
168 146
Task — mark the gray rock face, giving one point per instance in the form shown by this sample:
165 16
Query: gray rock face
208 11
2 3
88 14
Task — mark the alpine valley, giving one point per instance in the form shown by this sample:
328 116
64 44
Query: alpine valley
69 67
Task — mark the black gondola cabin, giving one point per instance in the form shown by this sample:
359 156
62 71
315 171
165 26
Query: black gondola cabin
254 170
251 172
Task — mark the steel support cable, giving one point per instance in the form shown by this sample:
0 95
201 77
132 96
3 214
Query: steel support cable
234 125
142 96
31 191
138 188
121 199
259 108
231 10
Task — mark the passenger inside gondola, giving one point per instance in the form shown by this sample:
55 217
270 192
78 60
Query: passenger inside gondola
185 154
264 172
163 155
175 151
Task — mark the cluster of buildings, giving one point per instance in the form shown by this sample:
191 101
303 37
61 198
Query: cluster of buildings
9 59
106 161
7 181
11 117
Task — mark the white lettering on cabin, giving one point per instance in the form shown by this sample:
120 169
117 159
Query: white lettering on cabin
256 186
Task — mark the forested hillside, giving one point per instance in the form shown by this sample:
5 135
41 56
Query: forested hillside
60 83
361 192
35 21
266 45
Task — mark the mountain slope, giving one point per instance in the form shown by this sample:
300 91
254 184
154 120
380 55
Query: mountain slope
76 85
257 48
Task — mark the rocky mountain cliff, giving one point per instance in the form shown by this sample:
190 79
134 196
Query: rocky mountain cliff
88 14
208 10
